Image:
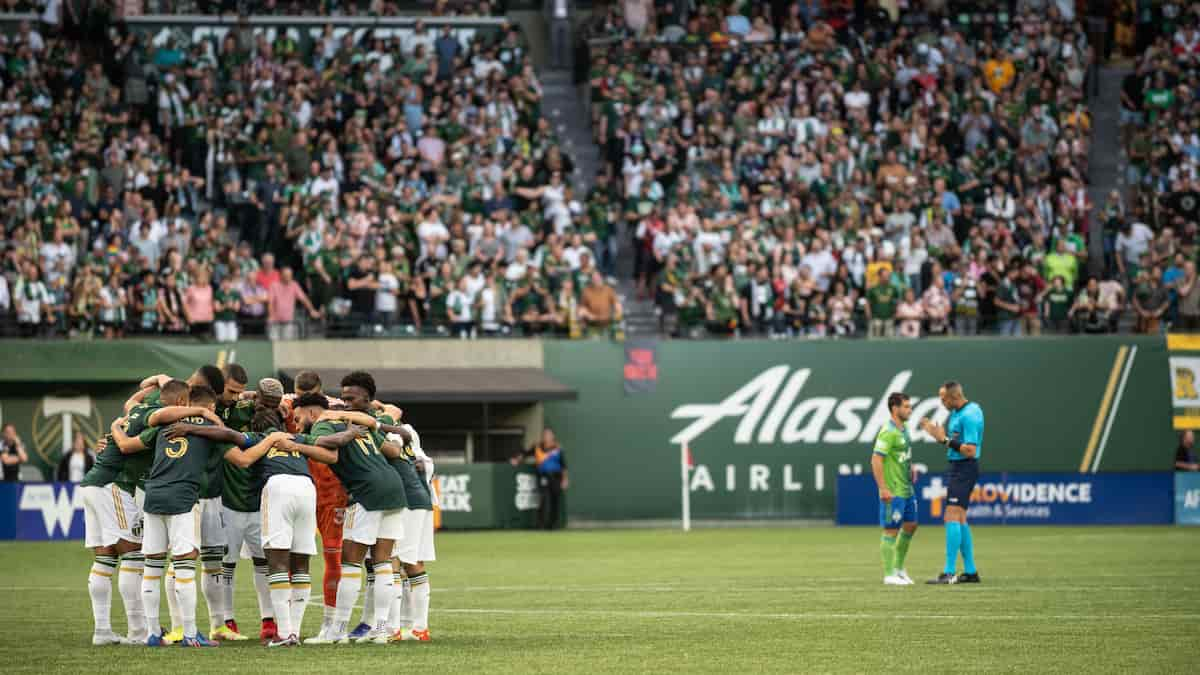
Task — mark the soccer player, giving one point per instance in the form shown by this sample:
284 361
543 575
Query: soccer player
331 499
282 482
416 545
374 521
113 530
240 513
410 610
963 438
891 463
172 518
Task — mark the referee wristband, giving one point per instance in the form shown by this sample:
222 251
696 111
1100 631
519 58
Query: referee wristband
954 444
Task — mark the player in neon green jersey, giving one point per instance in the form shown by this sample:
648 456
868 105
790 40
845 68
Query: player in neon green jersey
891 463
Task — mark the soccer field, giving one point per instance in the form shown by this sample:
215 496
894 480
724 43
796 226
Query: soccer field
731 600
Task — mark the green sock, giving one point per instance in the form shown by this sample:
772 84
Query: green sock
902 548
887 550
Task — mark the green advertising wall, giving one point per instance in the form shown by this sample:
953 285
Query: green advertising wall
47 389
771 424
487 496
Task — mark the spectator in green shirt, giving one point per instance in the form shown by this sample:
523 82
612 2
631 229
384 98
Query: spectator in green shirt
882 299
1008 303
1056 305
227 301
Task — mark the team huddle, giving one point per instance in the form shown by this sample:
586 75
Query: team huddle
200 473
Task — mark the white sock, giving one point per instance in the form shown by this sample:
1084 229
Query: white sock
100 589
368 609
396 610
185 594
406 619
173 600
347 593
384 592
227 570
420 601
265 610
151 578
329 614
301 589
281 601
211 585
129 584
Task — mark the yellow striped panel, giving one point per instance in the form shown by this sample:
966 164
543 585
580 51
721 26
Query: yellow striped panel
183 581
302 586
153 578
119 507
1102 413
1184 422
356 575
1182 342
130 569
101 574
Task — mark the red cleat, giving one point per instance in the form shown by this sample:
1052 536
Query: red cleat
231 624
269 630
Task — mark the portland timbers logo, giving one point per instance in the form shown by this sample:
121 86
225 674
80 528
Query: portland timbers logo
57 418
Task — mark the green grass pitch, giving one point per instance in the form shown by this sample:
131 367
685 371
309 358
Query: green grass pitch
796 600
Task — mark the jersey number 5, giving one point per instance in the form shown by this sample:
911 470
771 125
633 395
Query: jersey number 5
176 448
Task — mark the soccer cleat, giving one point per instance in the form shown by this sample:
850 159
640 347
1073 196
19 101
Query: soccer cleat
155 640
335 634
269 631
378 636
893 580
943 579
419 635
904 575
360 631
106 637
965 578
224 632
138 638
231 624
289 641
175 636
197 640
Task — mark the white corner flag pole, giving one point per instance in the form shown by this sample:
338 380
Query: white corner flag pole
684 456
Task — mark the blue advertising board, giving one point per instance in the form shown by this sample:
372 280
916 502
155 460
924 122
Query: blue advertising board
1187 499
40 511
1029 499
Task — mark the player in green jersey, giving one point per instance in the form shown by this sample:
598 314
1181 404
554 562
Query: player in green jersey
374 517
891 463
240 524
113 530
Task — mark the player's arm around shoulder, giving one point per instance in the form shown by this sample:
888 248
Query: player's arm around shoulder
299 443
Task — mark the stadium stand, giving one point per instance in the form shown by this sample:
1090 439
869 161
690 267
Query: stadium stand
782 169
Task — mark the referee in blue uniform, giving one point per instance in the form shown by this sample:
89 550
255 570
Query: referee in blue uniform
963 438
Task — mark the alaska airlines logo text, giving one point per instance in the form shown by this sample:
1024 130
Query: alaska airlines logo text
770 405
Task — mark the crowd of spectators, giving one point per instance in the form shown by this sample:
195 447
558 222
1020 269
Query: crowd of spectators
1150 228
384 186
794 169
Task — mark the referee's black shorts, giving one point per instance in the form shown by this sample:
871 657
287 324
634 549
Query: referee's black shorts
960 479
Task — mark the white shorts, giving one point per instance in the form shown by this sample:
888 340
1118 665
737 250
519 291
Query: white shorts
289 514
212 528
178 534
365 527
417 544
109 515
243 529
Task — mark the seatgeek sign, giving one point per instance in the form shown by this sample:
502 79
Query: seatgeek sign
1028 499
40 511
